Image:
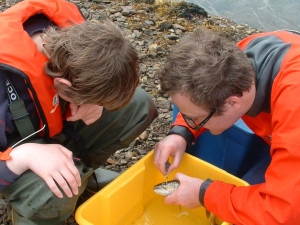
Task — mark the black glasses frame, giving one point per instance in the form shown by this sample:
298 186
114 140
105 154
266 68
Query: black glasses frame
191 123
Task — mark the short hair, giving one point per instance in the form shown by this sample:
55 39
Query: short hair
207 68
97 59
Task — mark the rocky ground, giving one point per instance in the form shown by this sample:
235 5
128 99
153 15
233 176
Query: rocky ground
153 28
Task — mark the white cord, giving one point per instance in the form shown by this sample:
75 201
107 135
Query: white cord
29 136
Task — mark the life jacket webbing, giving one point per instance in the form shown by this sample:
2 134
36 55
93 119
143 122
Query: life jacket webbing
18 110
21 118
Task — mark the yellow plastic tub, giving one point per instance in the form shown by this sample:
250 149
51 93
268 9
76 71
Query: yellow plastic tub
125 200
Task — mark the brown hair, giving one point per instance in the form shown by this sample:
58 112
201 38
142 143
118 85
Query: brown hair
97 59
208 69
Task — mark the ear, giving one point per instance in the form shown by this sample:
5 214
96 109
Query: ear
62 81
233 103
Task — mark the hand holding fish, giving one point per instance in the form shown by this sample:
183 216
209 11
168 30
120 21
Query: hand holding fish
187 194
172 145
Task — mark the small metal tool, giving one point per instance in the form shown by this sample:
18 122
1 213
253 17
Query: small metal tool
167 165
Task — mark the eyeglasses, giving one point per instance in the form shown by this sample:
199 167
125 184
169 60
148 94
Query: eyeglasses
191 123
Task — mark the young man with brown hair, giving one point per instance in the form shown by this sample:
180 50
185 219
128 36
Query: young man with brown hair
63 80
214 83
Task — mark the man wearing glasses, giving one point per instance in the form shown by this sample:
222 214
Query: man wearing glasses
214 83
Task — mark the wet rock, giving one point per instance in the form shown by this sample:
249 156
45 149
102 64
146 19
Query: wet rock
84 12
149 22
110 161
144 1
3 204
140 151
144 136
165 26
123 162
149 9
190 10
115 10
128 11
178 27
172 37
128 155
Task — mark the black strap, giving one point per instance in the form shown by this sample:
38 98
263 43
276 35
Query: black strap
18 111
202 190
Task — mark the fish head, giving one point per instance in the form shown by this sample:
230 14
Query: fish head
166 188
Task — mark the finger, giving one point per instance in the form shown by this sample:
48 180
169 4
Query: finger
74 118
178 176
170 199
176 162
88 121
75 173
93 114
78 113
64 181
71 176
156 154
162 165
158 160
73 108
53 187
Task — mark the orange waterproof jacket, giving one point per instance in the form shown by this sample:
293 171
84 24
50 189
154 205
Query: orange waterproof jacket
275 55
19 54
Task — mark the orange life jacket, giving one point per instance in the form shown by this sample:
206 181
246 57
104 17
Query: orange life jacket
19 54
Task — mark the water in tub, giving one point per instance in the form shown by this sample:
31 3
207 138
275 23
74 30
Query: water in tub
158 213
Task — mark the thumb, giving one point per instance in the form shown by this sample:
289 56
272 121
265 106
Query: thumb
73 108
179 176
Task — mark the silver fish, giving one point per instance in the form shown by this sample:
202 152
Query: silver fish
166 188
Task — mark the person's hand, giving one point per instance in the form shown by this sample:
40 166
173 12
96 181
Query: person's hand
88 113
52 162
172 145
187 194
